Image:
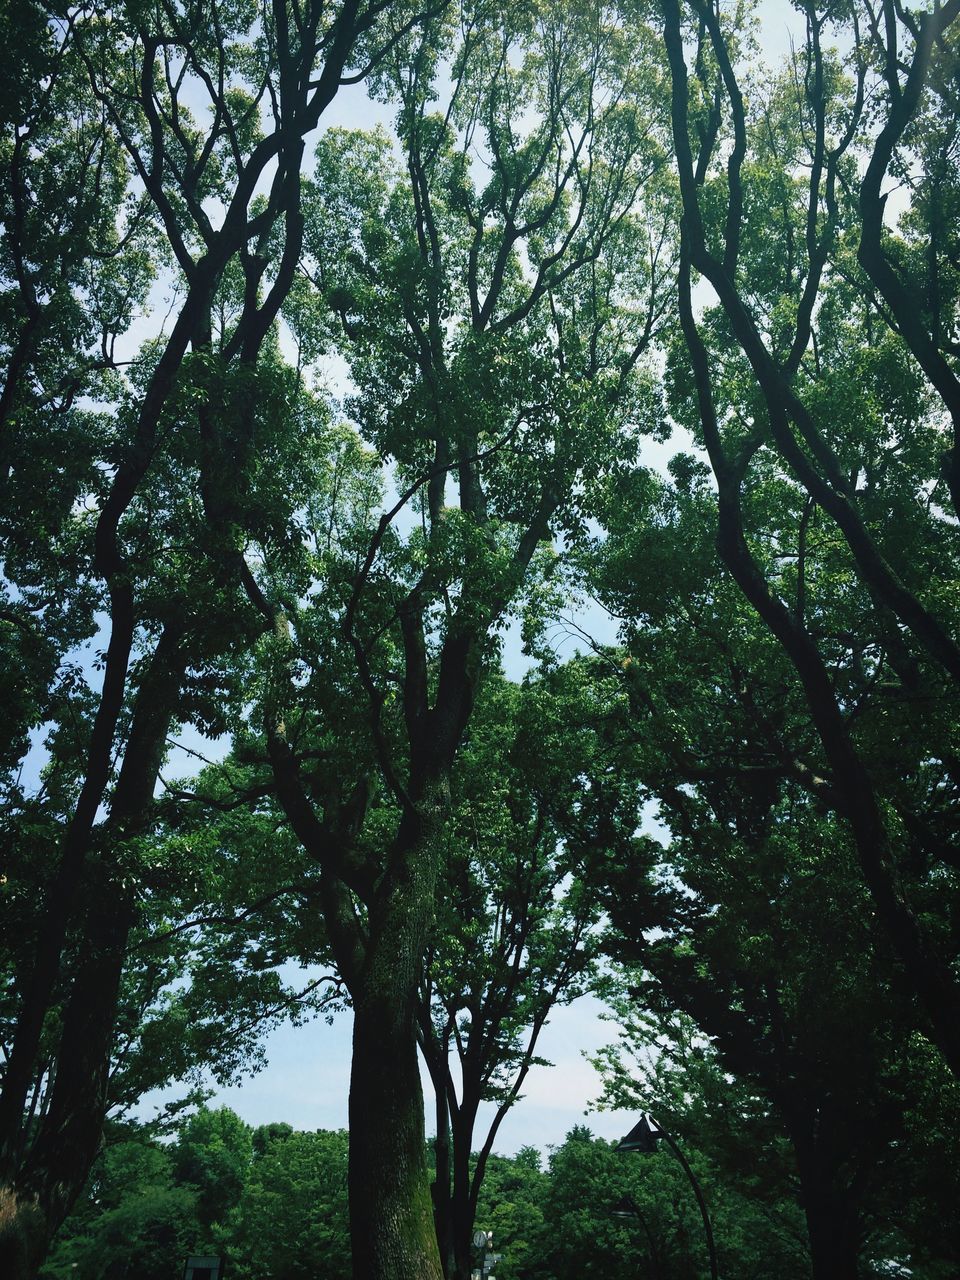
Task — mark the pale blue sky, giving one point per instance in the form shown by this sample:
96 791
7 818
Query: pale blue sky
307 1081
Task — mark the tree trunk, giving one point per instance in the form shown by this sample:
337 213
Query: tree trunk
829 1206
833 1254
23 1237
462 1240
54 1173
442 1203
834 1244
391 1213
69 1137
47 1167
462 1200
928 970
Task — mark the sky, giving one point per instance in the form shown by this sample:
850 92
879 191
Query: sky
306 1080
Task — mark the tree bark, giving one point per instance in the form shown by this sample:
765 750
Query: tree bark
391 1212
442 1204
462 1199
832 1223
69 1137
440 1187
392 1229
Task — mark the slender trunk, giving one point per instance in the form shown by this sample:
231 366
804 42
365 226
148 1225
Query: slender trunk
462 1200
931 976
896 291
109 564
40 981
442 1204
44 1185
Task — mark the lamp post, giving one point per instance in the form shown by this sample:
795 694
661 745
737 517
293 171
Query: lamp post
626 1207
643 1137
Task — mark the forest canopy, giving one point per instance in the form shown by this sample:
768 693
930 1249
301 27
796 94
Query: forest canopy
626 320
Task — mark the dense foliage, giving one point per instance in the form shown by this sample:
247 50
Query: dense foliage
272 1201
623 317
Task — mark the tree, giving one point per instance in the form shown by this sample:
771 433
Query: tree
490 348
665 1065
916 55
292 1218
272 1201
212 1155
179 451
751 917
515 933
133 1219
582 1237
780 409
193 533
823 1040
511 1206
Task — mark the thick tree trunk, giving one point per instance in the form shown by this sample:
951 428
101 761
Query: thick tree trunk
379 953
833 1248
831 1220
23 1236
391 1213
822 1143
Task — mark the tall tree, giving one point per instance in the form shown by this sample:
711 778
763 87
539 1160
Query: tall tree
491 349
166 484
751 917
785 409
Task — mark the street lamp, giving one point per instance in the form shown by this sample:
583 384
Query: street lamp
627 1208
643 1137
